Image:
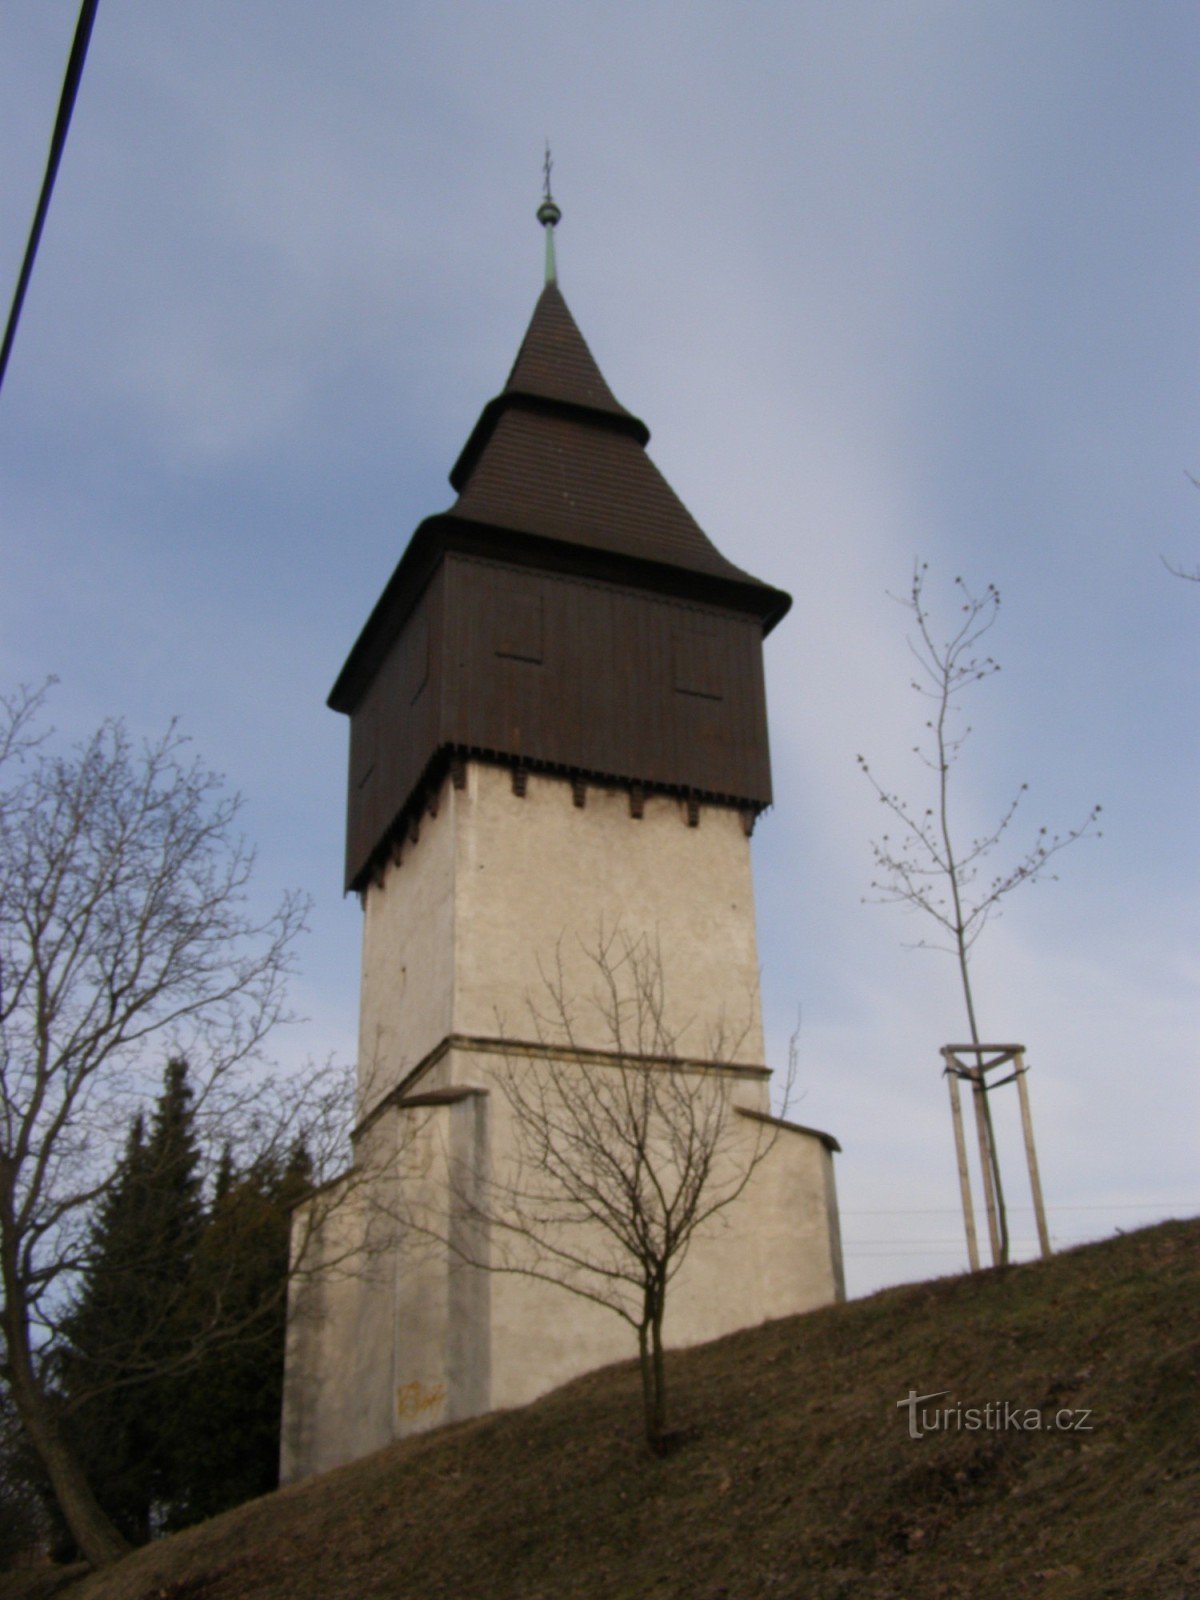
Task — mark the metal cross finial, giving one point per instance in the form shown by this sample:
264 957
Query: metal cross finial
548 215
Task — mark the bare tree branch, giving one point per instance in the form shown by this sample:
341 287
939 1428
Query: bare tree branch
613 1170
126 934
926 866
1191 574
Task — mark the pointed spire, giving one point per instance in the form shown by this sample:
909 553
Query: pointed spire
557 457
548 214
554 369
555 363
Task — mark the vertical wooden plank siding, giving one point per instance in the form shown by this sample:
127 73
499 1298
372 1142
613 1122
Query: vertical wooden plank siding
567 673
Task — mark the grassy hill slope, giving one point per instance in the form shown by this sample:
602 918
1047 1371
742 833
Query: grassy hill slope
799 1478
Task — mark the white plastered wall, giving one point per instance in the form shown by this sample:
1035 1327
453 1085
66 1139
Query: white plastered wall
338 1366
770 1252
499 892
464 930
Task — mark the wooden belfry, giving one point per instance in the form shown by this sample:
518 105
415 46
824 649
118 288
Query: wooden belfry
567 615
989 1058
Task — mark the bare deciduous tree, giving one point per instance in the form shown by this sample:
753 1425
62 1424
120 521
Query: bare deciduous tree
618 1163
927 866
1191 574
125 934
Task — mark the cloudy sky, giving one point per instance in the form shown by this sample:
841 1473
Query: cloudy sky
886 280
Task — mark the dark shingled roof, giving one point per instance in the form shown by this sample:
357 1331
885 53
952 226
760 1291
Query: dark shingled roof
565 480
556 454
555 362
555 474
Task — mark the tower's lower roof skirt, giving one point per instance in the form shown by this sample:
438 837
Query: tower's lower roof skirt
451 760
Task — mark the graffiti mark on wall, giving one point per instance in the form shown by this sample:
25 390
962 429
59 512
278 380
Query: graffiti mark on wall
415 1398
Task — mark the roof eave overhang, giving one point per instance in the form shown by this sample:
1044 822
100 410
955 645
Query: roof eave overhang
518 400
438 535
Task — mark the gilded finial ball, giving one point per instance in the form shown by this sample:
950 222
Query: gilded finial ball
548 213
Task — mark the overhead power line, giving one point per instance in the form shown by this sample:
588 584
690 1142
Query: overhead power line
66 104
1186 1206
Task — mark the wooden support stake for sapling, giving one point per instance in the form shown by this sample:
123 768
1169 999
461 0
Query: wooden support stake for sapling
956 1068
1035 1182
964 1177
986 1158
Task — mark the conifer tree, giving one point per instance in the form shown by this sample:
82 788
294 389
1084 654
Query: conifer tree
171 1382
128 1333
229 1417
24 1524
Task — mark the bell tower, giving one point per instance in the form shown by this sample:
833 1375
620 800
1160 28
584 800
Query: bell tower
557 731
